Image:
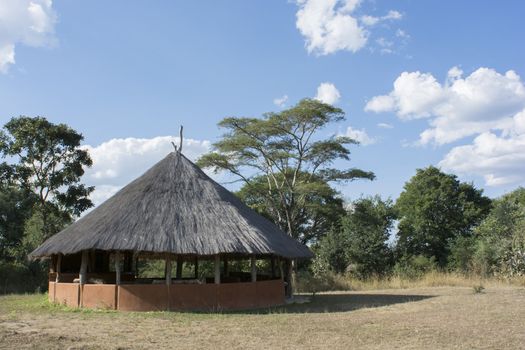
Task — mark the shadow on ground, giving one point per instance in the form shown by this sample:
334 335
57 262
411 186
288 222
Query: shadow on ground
341 302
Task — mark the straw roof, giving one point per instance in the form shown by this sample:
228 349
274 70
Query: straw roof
174 208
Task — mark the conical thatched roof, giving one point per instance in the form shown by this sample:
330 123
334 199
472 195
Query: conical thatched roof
174 208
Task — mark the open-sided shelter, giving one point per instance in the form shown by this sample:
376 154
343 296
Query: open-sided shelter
174 212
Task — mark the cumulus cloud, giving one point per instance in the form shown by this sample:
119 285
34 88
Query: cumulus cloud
461 106
327 93
118 161
485 104
280 101
359 135
28 22
498 158
329 26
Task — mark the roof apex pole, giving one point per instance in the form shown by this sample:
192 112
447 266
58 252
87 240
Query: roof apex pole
180 139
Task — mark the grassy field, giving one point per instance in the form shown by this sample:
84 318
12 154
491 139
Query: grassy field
414 318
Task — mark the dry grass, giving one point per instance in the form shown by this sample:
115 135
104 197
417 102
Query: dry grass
413 318
431 279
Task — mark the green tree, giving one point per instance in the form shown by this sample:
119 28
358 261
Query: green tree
285 149
434 209
15 208
367 228
500 245
49 163
40 192
331 253
323 207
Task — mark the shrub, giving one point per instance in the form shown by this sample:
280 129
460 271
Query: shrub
413 267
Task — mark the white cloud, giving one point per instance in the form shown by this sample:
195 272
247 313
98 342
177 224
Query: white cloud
402 34
500 160
328 26
28 22
486 104
327 93
371 20
280 101
378 104
386 46
385 126
359 135
462 106
119 161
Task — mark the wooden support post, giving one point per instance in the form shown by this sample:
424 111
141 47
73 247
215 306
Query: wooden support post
196 268
226 269
217 269
83 267
280 263
134 259
82 277
179 267
272 262
289 272
168 269
253 263
59 262
117 268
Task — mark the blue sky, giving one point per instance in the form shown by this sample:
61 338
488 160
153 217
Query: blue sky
128 73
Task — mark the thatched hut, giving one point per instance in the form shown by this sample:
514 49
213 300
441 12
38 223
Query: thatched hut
176 213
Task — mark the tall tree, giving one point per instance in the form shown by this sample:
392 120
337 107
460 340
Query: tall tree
434 209
323 211
367 229
286 151
49 163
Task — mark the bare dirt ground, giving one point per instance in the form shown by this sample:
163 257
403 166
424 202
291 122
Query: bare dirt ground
422 318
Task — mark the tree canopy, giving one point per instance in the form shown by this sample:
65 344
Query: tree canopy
40 192
435 208
285 165
46 159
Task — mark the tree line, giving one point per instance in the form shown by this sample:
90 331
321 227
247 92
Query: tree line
288 169
287 172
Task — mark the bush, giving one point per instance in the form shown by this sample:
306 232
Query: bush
414 267
461 254
23 278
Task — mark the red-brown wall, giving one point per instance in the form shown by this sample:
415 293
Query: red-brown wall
143 297
99 296
67 294
176 297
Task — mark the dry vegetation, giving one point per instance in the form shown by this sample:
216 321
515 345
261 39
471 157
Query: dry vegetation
309 284
412 318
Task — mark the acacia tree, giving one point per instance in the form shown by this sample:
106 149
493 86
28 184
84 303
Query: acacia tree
323 209
282 158
49 163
